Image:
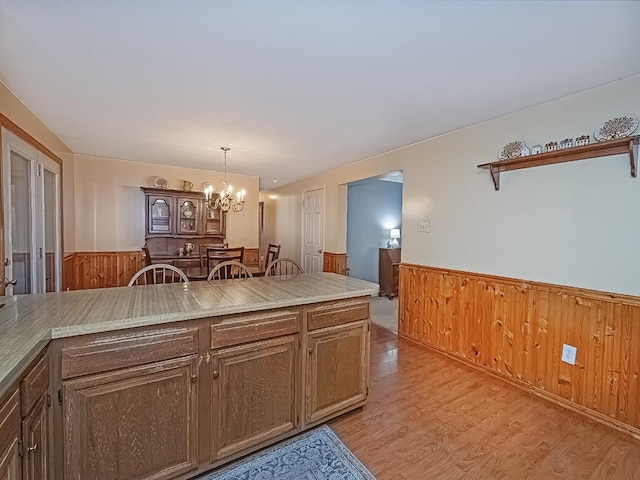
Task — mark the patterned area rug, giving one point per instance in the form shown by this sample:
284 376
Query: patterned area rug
315 455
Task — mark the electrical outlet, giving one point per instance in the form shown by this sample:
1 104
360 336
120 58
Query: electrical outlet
569 354
424 227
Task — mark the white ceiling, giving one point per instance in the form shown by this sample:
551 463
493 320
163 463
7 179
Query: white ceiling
296 88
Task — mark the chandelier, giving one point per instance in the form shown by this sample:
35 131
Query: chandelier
225 200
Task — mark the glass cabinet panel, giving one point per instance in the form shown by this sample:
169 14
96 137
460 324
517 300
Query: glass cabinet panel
188 221
159 215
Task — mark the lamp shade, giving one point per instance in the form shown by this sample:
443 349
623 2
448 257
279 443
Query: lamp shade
394 233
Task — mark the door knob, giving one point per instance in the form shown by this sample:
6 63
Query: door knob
319 251
8 282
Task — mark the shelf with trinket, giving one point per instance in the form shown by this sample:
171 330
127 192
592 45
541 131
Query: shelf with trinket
627 145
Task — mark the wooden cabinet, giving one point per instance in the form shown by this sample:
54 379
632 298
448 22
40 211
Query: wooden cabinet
176 400
138 422
35 438
254 391
175 217
388 263
10 462
337 373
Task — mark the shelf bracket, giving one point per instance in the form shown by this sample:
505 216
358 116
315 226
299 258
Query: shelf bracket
495 175
633 158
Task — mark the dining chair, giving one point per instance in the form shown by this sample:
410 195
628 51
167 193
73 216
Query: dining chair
202 250
282 267
147 255
215 255
158 274
273 253
229 269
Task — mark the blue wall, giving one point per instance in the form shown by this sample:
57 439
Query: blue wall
373 208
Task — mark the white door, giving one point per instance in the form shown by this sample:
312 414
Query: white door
32 233
312 233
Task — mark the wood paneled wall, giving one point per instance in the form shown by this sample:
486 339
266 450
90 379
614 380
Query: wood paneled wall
516 329
335 262
85 270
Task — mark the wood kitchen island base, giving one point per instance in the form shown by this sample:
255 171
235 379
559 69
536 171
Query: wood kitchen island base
174 400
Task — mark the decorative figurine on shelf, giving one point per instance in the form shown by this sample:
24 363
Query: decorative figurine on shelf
566 143
551 147
583 140
536 149
525 151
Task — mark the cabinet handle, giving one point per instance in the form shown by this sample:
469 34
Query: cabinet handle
194 378
310 350
215 374
32 449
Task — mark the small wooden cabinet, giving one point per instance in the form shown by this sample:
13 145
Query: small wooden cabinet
337 369
138 422
388 266
10 461
254 394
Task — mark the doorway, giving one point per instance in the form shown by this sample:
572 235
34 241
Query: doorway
374 226
31 192
312 229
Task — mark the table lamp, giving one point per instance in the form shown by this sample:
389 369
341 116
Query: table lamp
394 234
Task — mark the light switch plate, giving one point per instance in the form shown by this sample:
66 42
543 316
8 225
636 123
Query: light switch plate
424 227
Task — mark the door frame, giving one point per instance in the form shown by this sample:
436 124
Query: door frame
322 221
11 127
13 143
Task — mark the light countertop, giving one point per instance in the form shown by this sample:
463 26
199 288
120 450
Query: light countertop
29 322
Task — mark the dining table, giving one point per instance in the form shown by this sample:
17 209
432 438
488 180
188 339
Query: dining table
202 272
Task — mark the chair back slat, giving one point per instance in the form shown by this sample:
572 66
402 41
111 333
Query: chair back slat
229 269
216 255
273 253
158 274
282 267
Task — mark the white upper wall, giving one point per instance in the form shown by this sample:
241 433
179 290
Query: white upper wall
570 224
109 205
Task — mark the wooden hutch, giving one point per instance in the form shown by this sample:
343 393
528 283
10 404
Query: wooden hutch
176 217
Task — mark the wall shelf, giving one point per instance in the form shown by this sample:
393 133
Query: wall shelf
627 145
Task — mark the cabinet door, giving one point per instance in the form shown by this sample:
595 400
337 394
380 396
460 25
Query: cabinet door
337 369
35 435
10 464
160 210
137 423
214 221
188 216
254 394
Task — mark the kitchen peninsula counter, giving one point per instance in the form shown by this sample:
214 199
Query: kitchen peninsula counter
200 373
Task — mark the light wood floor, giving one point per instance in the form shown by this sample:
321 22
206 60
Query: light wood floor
430 417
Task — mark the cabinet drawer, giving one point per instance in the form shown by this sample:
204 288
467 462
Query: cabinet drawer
103 352
235 330
34 385
337 313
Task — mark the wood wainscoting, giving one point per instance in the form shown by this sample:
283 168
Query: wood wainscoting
516 329
335 263
86 270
